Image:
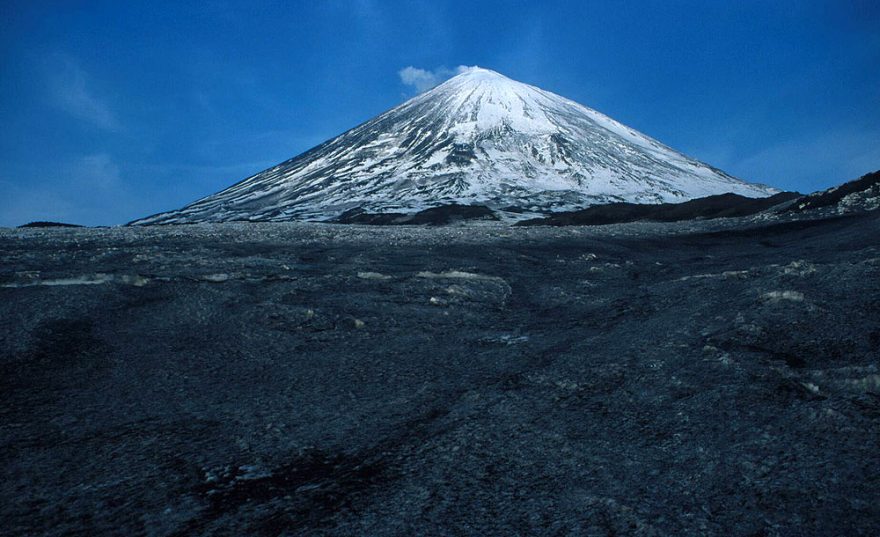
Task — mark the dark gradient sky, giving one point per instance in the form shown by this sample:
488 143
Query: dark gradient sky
115 110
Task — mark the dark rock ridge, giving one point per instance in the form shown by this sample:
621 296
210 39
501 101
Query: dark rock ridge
860 194
48 224
435 216
720 206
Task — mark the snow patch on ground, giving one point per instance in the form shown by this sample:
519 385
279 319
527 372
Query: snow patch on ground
85 279
215 278
799 268
373 276
779 296
727 275
456 275
505 339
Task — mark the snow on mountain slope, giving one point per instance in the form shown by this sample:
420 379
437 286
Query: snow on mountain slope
478 138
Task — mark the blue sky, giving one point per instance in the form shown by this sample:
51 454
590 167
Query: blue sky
116 110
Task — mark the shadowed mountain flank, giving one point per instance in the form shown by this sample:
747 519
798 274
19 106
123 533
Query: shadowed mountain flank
721 206
435 216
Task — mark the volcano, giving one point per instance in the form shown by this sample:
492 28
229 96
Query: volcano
480 138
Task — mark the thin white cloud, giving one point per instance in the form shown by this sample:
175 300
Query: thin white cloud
95 172
69 88
423 79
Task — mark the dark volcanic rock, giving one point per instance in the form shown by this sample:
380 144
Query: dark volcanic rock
435 216
860 194
699 378
360 216
721 206
48 224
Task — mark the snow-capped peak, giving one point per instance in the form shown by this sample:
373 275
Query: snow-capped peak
478 138
482 99
475 71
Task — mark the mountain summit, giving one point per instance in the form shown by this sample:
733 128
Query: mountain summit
478 138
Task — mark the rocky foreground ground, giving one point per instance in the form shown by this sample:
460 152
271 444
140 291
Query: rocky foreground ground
715 378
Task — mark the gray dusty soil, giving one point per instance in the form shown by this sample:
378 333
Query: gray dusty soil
717 378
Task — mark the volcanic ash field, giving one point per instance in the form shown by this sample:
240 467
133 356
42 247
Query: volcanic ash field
695 378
